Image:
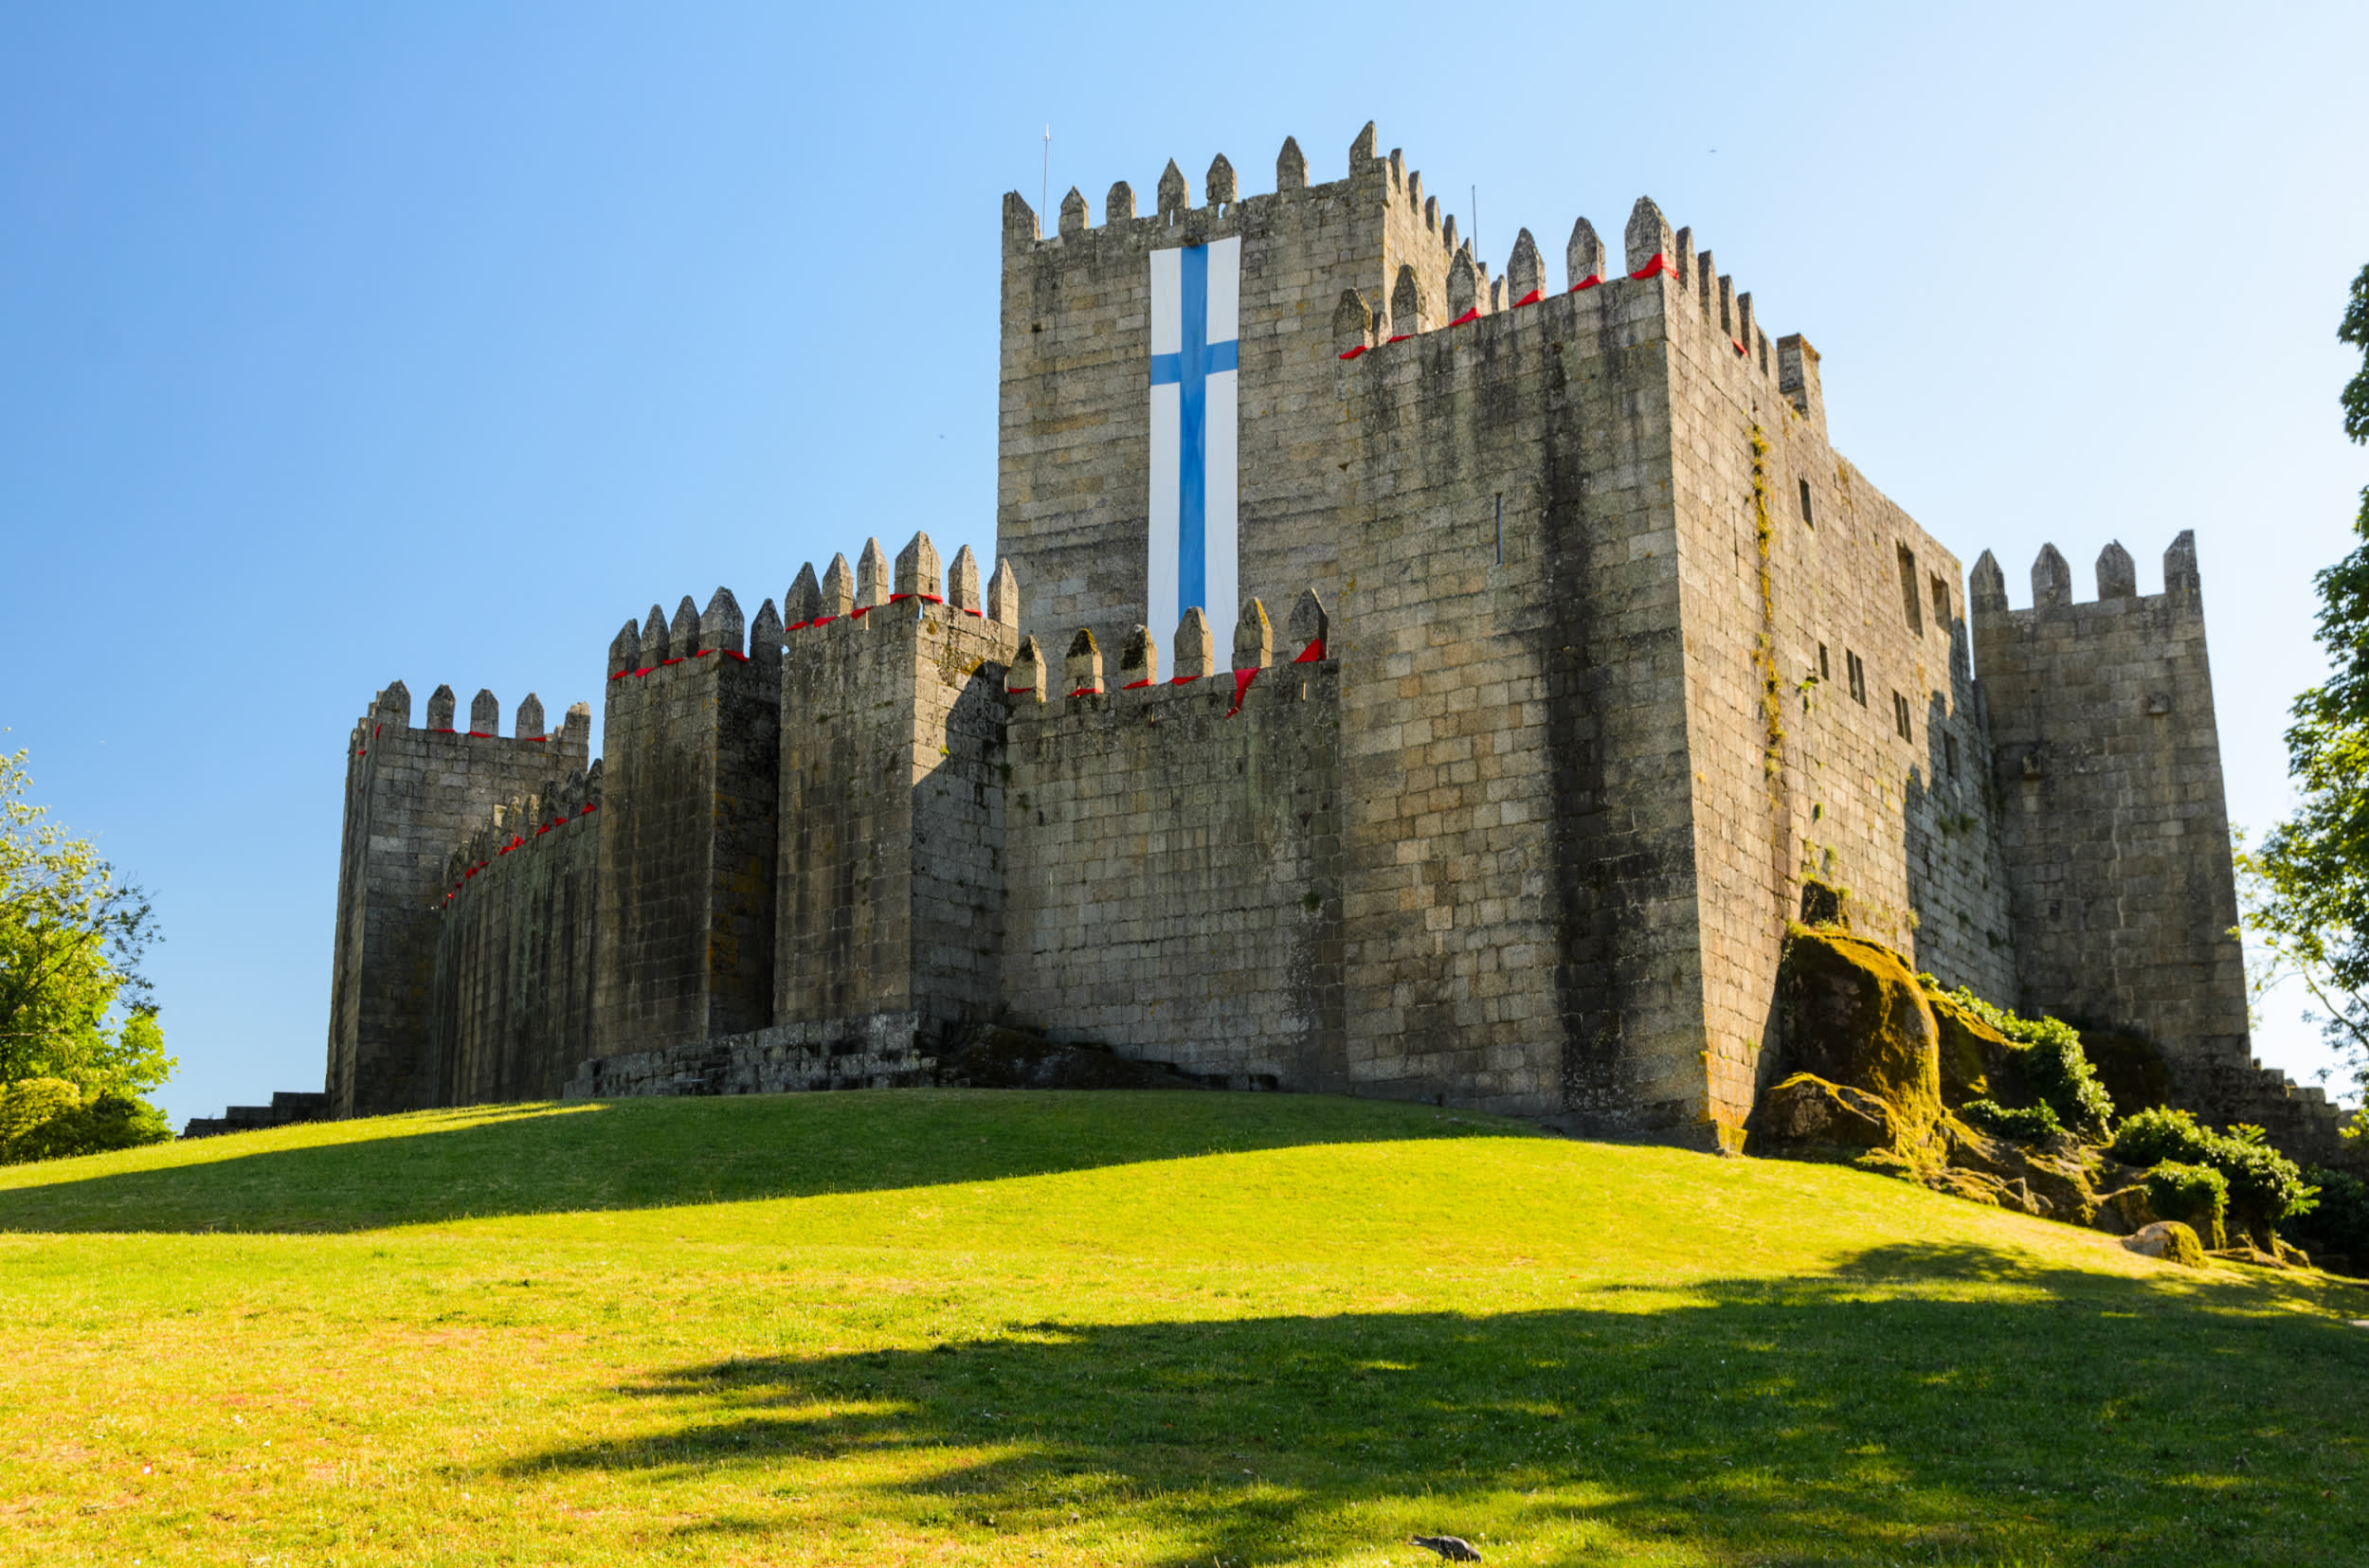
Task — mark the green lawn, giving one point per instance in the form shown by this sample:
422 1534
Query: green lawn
952 1326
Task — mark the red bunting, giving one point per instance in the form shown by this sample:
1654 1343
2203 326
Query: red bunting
1241 685
981 614
1135 686
665 661
861 611
822 620
1402 337
1473 314
1087 692
538 739
1587 282
1531 299
481 734
444 732
621 675
1739 348
1354 352
1659 263
894 597
703 653
1019 691
731 654
1312 654
1182 680
374 730
589 808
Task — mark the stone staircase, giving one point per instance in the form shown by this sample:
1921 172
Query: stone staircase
286 1106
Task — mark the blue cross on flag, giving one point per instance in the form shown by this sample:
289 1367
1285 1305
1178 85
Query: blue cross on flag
1196 311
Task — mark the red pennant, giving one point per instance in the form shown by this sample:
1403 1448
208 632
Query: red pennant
1587 282
1241 685
1659 263
1473 314
1182 680
1085 691
1135 686
1402 337
822 620
1354 352
1531 299
1312 654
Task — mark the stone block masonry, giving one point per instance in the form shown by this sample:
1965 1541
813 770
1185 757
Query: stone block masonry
1175 873
412 796
1596 653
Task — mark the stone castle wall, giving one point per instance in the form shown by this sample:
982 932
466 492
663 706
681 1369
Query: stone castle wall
891 893
685 933
411 796
1175 876
514 950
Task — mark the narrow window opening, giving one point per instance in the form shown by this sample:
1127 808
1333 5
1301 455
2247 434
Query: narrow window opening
1805 505
1900 716
1501 528
1853 668
1941 602
1908 590
1949 753
1823 674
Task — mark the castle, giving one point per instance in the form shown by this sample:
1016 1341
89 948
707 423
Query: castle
1398 680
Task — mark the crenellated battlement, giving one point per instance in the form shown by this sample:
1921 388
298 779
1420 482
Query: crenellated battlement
524 822
2115 573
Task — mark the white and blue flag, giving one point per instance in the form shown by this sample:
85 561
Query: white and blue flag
1195 313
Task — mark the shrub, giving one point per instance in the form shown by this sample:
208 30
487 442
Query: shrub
2053 1068
2035 1125
2197 1195
2265 1186
48 1119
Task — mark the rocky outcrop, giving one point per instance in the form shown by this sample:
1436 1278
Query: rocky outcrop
1853 1014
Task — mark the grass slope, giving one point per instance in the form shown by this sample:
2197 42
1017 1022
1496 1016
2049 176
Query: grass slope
946 1326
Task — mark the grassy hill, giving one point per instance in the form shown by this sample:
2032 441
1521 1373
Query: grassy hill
979 1328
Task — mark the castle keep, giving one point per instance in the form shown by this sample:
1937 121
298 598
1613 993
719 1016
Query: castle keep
1397 679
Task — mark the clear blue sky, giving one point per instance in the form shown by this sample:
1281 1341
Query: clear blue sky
339 344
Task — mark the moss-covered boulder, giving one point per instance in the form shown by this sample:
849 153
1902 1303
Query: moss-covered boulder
1806 1108
1853 1014
2169 1240
2058 1176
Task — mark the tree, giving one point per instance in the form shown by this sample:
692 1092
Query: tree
2306 892
74 1005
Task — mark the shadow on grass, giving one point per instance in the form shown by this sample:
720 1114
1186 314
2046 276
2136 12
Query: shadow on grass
634 1154
1923 1404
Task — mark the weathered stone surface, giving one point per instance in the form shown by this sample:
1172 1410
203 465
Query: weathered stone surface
1808 1110
2169 1240
1977 1061
1853 1014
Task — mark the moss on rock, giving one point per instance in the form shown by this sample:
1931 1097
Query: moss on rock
1853 1014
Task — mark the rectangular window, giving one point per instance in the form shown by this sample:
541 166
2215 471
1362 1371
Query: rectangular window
1941 603
1805 505
1823 674
1949 752
1900 716
1857 671
1908 590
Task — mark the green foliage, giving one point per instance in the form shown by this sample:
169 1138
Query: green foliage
2265 1186
2305 895
2339 1224
2033 1124
2058 1075
73 1003
48 1119
2189 1192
